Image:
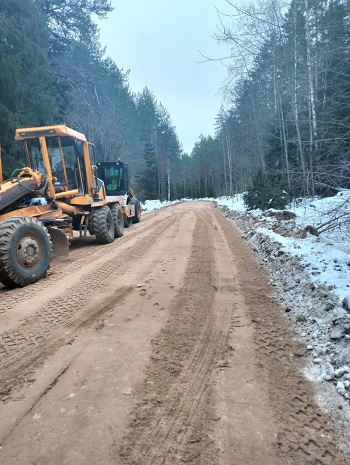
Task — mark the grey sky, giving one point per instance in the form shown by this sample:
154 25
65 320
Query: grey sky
160 42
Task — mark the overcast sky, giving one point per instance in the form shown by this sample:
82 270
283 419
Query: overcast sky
160 41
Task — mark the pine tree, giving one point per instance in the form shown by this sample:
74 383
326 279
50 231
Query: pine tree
26 91
147 181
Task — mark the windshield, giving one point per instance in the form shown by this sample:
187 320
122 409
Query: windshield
62 156
36 160
113 177
63 160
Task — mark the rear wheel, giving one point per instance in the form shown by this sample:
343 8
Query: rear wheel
137 205
103 225
25 251
118 220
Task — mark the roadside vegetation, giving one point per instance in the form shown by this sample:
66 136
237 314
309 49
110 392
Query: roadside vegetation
282 133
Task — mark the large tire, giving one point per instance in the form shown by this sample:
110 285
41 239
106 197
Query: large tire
137 205
127 221
25 251
118 220
103 225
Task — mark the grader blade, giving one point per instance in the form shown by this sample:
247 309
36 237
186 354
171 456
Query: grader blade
60 242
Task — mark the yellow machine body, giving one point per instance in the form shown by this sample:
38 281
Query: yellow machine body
56 193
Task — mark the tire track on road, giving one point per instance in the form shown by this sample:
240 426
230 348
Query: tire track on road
174 419
304 435
79 257
44 331
169 421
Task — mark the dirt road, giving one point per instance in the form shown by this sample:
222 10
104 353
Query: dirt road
164 347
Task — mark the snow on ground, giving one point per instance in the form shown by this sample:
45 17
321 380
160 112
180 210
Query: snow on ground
326 258
151 205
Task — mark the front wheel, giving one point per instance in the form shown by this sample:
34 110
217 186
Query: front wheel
137 205
103 225
127 221
25 251
118 220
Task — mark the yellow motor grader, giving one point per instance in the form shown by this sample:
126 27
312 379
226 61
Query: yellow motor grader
58 192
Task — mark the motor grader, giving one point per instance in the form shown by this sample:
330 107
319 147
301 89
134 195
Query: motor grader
58 192
115 175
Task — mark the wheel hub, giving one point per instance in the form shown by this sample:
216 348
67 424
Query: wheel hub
28 251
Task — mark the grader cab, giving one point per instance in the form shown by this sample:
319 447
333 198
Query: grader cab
58 192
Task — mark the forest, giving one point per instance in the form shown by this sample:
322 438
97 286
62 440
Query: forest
282 133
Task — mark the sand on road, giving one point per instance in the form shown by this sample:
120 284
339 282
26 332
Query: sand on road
164 347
